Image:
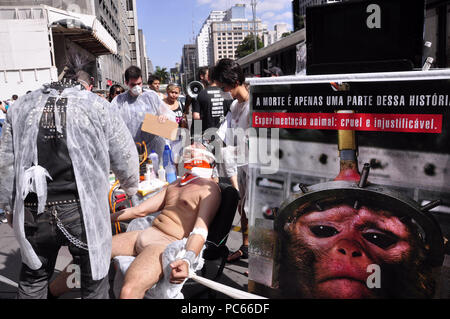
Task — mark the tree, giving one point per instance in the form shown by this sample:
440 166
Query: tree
286 34
248 46
162 74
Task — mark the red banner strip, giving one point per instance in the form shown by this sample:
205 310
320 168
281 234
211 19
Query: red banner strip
412 123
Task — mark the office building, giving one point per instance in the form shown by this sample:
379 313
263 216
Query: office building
143 56
189 63
228 34
272 36
113 16
204 44
133 33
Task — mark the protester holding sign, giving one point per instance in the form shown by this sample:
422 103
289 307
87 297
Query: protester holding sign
134 104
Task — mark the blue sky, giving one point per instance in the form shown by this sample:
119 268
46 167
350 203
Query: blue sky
169 24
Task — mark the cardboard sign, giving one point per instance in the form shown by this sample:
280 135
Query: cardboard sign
167 130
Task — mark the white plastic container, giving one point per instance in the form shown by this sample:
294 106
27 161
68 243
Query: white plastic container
162 174
171 173
155 160
150 174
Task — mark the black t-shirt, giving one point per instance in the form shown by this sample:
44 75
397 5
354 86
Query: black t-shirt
53 154
179 113
212 107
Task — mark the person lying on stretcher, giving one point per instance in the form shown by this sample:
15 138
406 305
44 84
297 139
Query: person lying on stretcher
187 208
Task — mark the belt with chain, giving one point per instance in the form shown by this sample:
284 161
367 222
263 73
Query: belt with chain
75 241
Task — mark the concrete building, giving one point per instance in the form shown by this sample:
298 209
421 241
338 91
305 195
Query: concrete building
38 40
269 37
125 37
189 63
236 12
175 74
280 29
143 56
74 6
150 67
204 45
272 36
133 32
113 16
226 35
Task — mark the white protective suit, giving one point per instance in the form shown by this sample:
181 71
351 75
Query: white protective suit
97 140
233 155
133 109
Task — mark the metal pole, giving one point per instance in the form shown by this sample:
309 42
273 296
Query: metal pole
194 66
255 34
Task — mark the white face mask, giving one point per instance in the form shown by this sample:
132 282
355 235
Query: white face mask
195 173
136 90
202 172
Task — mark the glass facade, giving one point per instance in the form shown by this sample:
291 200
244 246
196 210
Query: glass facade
238 12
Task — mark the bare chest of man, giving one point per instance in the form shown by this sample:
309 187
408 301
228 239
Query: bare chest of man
186 198
181 209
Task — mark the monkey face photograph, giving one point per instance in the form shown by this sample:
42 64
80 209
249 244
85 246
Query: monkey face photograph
340 241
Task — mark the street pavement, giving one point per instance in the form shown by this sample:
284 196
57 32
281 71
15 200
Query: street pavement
234 275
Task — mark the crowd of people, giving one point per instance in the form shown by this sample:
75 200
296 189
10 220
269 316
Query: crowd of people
58 147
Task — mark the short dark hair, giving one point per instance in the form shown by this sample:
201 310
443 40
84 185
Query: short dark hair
83 76
15 97
113 88
152 78
228 71
202 72
133 72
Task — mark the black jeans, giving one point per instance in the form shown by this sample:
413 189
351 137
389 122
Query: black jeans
46 239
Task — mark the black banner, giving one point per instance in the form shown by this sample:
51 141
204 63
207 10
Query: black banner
418 97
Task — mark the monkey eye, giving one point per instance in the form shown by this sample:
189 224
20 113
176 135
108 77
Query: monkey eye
383 241
322 231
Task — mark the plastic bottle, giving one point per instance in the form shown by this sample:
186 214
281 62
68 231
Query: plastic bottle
155 160
150 174
153 172
162 174
171 173
167 156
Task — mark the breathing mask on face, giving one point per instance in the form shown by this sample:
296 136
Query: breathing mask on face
197 163
136 90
